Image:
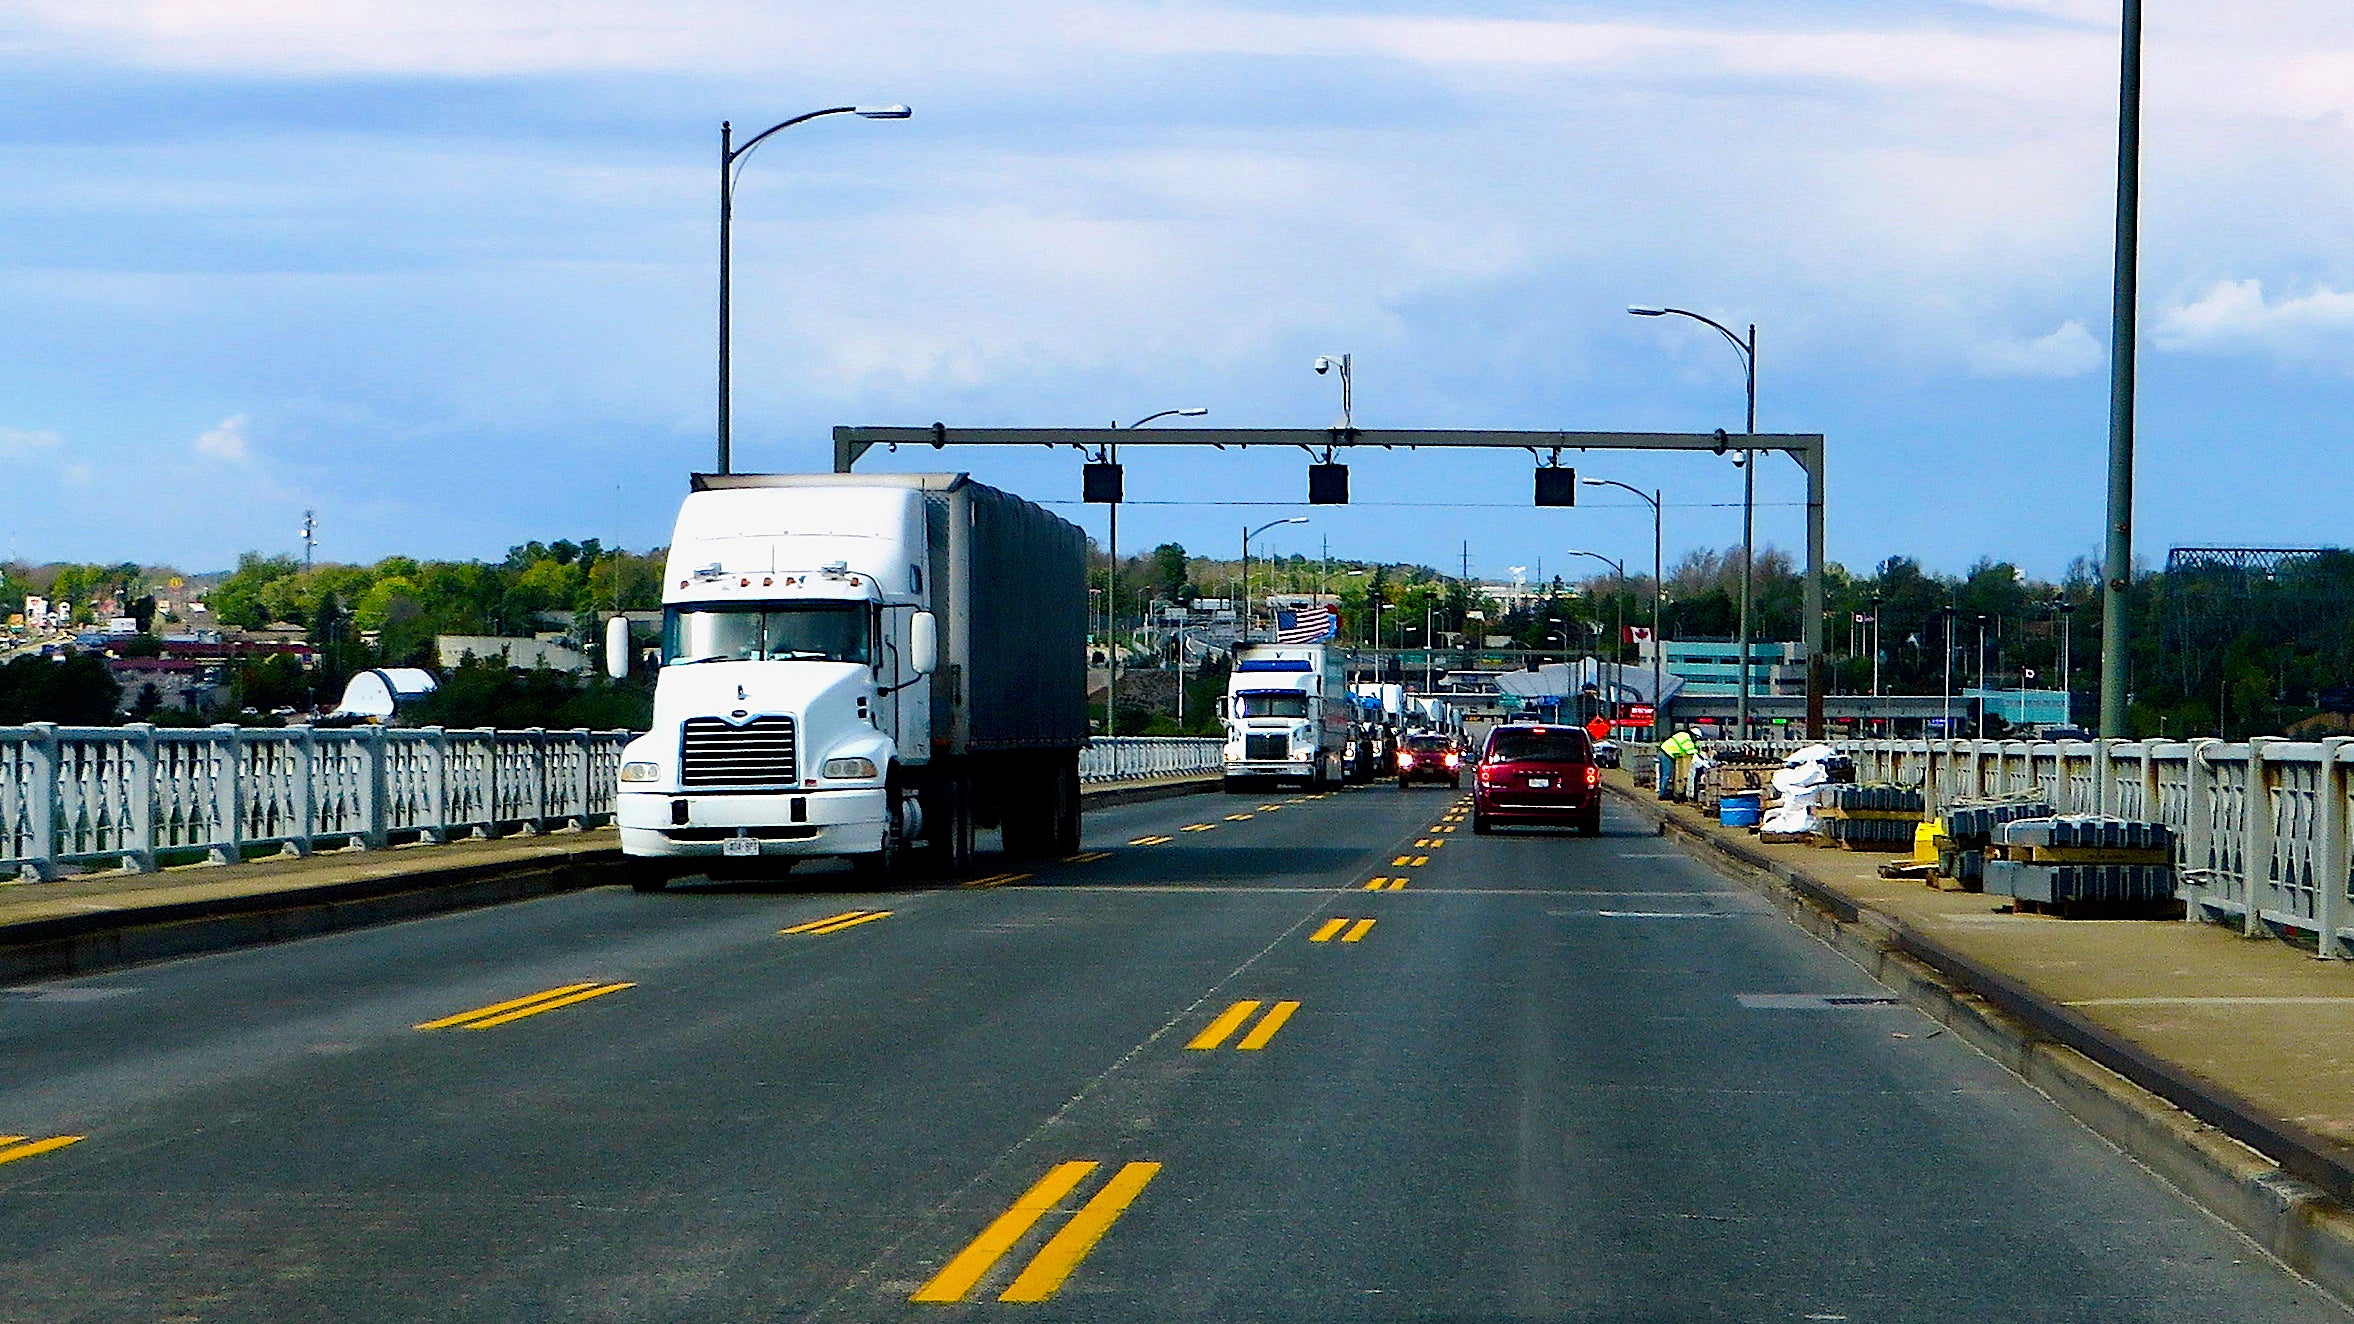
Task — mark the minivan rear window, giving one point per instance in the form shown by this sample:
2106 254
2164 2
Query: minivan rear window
1520 744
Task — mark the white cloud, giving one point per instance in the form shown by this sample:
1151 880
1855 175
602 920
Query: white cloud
225 442
2235 315
2069 351
21 444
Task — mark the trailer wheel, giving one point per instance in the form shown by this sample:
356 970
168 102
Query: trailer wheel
1067 804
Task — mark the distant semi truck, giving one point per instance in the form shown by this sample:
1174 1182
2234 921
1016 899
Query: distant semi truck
1287 712
866 666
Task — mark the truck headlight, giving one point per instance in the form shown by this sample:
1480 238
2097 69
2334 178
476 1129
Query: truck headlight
640 772
847 769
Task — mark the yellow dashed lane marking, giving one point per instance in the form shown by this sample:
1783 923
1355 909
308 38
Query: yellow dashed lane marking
837 923
500 1013
1152 841
993 880
1199 827
1333 928
1239 818
1385 885
13 1148
1089 858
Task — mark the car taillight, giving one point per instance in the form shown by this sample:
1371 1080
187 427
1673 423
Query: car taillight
1454 760
1405 760
1593 775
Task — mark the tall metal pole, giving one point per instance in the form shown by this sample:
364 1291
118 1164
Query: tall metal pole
1748 521
727 192
2117 574
729 155
1658 639
1111 625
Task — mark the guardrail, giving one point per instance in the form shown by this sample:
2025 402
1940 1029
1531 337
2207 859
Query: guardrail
136 797
1131 758
139 797
2261 826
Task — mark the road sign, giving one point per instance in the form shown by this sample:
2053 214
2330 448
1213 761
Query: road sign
1637 714
1598 729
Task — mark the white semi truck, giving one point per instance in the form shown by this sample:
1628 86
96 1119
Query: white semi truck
865 666
1287 711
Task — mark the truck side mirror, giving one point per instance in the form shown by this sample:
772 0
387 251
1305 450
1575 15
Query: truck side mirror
1221 707
617 647
923 643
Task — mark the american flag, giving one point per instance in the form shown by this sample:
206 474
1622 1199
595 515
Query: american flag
1313 625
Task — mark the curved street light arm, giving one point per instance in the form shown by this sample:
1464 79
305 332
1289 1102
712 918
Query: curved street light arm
1612 482
738 154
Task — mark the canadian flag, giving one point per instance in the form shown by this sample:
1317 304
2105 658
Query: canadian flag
1638 634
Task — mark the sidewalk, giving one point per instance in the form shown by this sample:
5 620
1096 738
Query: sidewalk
2252 1038
105 920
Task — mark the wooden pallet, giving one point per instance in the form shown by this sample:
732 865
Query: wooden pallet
2081 854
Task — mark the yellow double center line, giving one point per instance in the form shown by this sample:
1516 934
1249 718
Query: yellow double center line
1152 841
13 1148
1044 1275
1409 861
1214 1035
1386 885
993 880
1199 827
499 1013
849 919
1357 929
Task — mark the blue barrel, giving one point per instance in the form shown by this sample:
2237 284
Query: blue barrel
1738 811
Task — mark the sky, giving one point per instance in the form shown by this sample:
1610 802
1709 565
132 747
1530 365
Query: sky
445 272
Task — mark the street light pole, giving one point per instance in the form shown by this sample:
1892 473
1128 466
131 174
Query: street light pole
1111 686
1658 597
1618 602
1748 351
730 156
1248 534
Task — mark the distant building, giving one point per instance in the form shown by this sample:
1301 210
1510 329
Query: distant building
181 684
1714 668
549 650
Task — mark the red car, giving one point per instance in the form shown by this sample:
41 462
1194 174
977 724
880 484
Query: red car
1424 758
1537 774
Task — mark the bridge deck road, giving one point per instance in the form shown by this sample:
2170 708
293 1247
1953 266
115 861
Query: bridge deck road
1265 1057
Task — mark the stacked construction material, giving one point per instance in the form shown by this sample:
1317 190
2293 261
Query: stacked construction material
1868 817
2084 864
1969 829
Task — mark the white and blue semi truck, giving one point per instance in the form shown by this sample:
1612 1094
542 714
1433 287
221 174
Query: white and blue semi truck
1288 712
860 666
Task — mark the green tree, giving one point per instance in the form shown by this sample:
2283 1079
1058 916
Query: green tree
77 691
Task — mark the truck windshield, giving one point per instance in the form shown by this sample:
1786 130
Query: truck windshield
1271 703
765 632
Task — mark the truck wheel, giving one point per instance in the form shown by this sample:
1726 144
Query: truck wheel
948 827
879 868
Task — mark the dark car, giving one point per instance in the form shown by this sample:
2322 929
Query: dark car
1426 758
1537 774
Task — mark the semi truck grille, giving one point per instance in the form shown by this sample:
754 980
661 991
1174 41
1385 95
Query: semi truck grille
1260 749
758 753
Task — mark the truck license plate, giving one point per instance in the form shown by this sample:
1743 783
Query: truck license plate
1540 781
740 846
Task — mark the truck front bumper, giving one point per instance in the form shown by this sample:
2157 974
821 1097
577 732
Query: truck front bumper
1303 767
682 824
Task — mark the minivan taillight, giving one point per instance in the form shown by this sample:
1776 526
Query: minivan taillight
1593 774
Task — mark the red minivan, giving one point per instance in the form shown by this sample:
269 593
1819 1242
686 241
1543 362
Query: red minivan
1537 774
